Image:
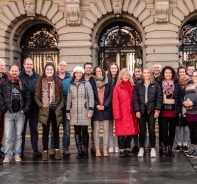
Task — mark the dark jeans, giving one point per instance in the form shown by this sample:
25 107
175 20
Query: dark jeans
46 129
124 142
1 128
193 132
149 118
32 117
168 130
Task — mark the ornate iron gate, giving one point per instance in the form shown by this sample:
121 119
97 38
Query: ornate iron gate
40 43
120 42
188 43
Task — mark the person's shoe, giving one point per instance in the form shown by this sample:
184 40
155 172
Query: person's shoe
191 150
185 149
17 159
178 149
36 153
66 151
122 153
105 151
153 153
52 152
98 153
45 155
135 149
165 152
57 154
6 160
111 149
128 152
140 153
1 154
116 149
171 153
161 145
194 155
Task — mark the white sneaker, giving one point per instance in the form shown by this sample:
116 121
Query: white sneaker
141 153
6 160
111 150
153 153
116 149
17 159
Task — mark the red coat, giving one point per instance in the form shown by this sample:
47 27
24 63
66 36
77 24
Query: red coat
124 115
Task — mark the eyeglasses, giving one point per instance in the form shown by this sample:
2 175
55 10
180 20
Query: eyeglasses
194 75
88 67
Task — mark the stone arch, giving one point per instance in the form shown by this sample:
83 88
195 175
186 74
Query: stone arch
14 22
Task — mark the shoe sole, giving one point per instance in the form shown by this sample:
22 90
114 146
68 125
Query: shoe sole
177 151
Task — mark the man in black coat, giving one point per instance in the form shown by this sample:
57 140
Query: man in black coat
31 78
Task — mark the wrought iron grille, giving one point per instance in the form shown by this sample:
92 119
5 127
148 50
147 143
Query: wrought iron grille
40 43
120 42
188 43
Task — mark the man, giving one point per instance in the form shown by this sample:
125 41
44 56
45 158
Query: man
65 78
88 71
156 70
31 78
2 81
17 101
190 69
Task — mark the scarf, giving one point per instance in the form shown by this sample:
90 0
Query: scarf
128 87
16 81
184 81
137 79
76 82
100 81
48 93
168 88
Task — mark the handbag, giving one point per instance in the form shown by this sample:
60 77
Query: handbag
53 105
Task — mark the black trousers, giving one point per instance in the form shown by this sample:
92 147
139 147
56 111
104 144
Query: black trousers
124 142
32 117
1 128
193 132
46 130
81 130
168 126
149 118
160 130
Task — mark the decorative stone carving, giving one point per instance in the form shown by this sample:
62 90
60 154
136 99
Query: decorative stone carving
117 6
161 10
73 12
30 6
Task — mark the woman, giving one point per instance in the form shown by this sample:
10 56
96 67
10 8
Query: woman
112 73
49 98
182 130
172 94
102 87
124 116
79 109
147 105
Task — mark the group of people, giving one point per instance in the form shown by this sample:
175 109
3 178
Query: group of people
92 97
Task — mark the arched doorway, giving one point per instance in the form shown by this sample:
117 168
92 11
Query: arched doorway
40 43
188 43
120 42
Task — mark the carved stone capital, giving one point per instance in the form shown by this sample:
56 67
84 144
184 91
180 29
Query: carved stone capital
73 12
161 10
117 6
30 7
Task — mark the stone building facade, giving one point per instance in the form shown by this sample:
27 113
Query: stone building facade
129 32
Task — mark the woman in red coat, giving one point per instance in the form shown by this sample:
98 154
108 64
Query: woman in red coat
125 120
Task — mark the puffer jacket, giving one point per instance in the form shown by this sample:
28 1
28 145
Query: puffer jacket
154 97
25 102
80 103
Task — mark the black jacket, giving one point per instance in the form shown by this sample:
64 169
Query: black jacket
31 83
25 98
2 81
106 114
154 97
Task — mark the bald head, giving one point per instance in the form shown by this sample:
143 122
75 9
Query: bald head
62 67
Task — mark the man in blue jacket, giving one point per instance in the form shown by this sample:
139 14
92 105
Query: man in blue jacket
65 78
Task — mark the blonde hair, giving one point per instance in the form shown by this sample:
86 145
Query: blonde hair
122 72
151 75
2 62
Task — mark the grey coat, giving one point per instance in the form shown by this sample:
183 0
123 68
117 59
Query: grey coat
80 102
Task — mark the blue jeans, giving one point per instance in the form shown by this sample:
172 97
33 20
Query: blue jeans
182 135
66 133
13 122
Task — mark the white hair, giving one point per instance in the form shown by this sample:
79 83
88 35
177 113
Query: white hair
157 64
2 62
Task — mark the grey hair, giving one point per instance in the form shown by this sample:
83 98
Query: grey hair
2 62
157 63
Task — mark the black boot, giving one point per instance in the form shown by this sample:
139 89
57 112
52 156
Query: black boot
166 151
85 145
79 146
171 153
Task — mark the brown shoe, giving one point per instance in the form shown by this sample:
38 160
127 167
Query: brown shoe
57 154
45 155
98 153
105 151
66 152
52 152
